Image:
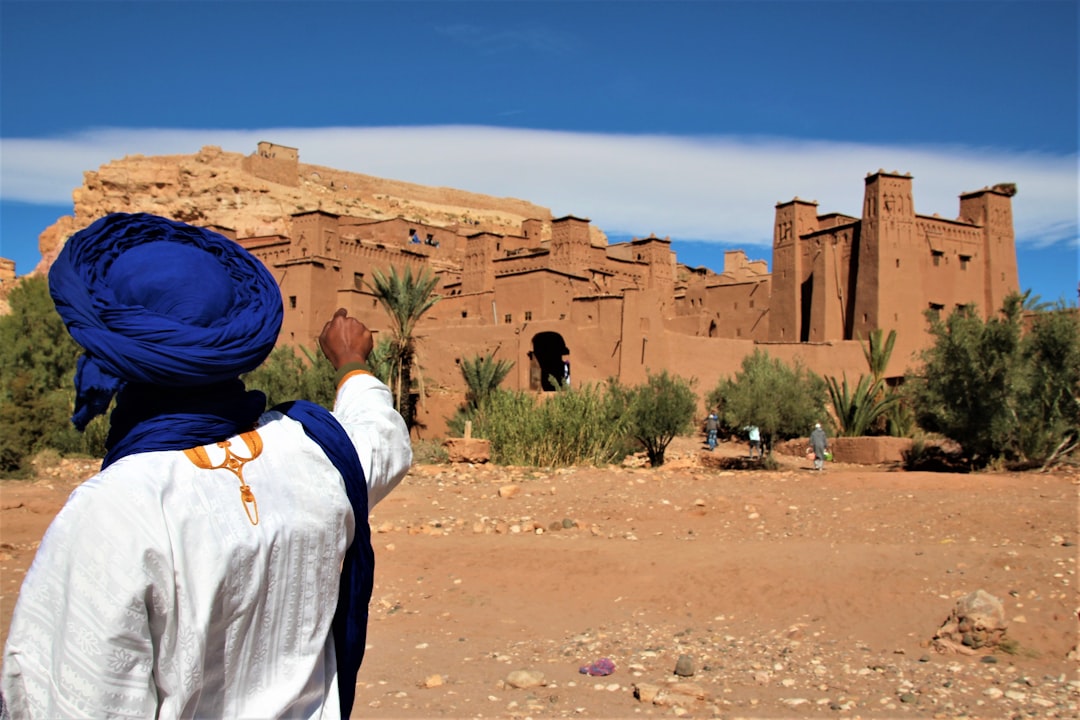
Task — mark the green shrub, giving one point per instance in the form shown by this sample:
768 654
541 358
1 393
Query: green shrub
1001 393
573 426
659 410
784 402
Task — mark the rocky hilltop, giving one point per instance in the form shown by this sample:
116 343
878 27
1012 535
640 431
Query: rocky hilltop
246 194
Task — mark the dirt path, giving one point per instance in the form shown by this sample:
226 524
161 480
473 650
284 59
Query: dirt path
790 593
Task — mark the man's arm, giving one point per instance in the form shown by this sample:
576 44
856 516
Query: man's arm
365 407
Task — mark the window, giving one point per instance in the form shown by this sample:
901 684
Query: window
964 260
464 313
292 302
937 307
897 262
937 254
358 281
528 315
508 318
751 304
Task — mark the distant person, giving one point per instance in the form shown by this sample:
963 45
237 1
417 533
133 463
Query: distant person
712 427
413 237
753 434
819 444
220 563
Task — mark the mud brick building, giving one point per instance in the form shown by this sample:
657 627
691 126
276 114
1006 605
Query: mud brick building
553 300
552 294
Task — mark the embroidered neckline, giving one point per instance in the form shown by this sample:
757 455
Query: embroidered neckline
235 464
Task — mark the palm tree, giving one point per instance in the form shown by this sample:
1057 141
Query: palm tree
405 297
877 353
482 375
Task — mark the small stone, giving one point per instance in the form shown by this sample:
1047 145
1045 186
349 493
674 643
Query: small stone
525 679
989 659
646 692
684 667
908 698
432 681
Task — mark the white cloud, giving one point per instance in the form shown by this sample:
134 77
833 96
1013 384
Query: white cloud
720 188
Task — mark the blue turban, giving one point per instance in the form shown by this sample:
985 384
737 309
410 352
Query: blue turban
169 315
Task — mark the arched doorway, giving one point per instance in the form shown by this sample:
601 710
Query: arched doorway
548 359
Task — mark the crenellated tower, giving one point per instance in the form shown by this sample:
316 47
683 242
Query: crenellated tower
889 288
792 268
991 210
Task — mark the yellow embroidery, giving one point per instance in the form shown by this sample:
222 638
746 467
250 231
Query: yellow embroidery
234 464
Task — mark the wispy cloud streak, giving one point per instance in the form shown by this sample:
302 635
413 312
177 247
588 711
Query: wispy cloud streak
718 188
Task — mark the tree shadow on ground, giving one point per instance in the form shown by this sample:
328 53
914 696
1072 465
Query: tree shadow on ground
720 462
933 458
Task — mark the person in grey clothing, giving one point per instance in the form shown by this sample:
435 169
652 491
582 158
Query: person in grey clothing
820 444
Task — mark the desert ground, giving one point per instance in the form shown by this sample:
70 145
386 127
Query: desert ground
716 590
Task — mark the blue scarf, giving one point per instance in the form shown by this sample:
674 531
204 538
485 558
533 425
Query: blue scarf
170 315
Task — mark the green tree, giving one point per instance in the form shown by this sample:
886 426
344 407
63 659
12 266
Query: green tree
405 297
482 374
34 344
285 376
1000 393
317 380
1052 352
278 377
37 367
783 401
383 360
657 411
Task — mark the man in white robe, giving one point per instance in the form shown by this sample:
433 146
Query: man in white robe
202 582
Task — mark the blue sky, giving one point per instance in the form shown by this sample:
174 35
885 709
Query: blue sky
685 119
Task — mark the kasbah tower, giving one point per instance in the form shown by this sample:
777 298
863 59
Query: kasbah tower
553 296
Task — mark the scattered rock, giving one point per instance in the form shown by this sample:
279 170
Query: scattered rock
468 450
976 623
523 679
684 666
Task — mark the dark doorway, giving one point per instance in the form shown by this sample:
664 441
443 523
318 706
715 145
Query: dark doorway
549 353
807 304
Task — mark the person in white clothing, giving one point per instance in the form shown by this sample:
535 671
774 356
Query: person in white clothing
219 565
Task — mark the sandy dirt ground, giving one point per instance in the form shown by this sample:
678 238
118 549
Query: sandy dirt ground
775 594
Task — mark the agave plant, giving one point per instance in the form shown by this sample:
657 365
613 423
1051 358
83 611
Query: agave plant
858 409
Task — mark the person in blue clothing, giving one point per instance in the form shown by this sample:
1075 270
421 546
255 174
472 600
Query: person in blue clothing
712 426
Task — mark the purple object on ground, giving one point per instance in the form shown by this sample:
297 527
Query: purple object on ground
603 666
